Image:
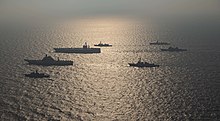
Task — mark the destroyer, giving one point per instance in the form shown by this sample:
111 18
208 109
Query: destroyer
85 49
49 61
174 49
103 45
143 64
37 75
159 43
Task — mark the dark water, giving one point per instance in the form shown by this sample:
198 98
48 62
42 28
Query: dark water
102 87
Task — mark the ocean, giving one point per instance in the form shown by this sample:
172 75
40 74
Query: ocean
103 87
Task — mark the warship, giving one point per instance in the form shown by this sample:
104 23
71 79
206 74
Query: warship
49 61
103 45
143 64
159 43
174 49
37 75
85 49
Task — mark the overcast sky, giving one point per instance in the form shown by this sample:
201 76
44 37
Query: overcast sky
63 8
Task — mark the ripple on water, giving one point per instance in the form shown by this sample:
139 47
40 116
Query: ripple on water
103 86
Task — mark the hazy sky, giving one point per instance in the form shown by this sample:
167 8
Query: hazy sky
64 8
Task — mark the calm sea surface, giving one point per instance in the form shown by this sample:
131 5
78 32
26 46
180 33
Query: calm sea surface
102 87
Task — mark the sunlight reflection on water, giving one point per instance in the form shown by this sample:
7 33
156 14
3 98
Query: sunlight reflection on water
103 86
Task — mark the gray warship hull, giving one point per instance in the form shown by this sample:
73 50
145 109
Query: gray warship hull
49 63
143 65
77 50
174 50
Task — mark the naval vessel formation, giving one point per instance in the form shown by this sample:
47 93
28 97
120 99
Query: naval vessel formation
86 49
